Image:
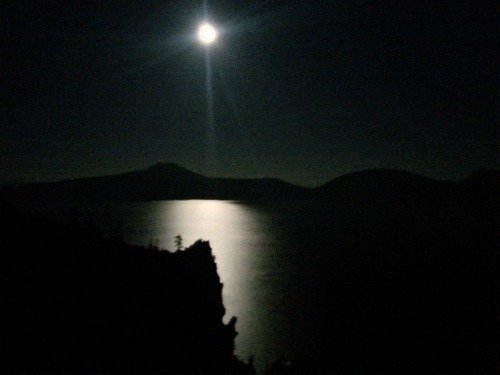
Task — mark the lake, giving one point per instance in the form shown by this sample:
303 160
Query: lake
249 248
305 284
259 254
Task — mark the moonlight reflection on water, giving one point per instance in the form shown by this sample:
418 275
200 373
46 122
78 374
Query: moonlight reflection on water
303 282
243 242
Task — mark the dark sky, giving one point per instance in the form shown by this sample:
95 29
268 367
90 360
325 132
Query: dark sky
302 90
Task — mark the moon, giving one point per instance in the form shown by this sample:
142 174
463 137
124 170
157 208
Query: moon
207 34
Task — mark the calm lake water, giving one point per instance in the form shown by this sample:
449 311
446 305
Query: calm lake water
259 251
307 284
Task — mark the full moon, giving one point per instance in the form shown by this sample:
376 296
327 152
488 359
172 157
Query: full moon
207 34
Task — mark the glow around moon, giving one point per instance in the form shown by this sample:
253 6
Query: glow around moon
207 34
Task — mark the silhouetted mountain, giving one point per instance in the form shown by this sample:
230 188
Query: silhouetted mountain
162 181
380 193
393 194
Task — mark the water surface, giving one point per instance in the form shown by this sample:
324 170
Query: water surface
257 253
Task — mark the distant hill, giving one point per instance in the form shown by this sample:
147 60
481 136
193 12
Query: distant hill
162 181
378 193
398 194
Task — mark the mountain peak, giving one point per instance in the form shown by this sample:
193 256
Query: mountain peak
169 168
166 166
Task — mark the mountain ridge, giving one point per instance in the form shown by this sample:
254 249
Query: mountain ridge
171 167
387 193
161 181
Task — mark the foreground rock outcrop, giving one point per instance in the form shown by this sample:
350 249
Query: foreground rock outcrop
74 302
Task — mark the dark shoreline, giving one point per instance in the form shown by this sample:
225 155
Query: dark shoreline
75 302
394 297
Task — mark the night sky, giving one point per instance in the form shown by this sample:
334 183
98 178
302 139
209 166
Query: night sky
302 90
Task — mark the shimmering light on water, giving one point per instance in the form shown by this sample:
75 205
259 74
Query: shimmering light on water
305 285
258 265
241 237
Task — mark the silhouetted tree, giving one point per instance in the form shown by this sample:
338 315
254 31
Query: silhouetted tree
178 242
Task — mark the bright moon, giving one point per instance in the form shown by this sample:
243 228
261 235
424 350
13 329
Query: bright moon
207 33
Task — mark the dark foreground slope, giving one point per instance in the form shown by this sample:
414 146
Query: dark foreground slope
73 302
